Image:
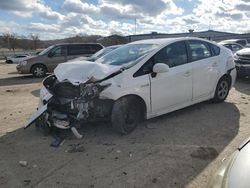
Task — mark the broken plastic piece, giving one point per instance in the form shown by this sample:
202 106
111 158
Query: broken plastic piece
76 133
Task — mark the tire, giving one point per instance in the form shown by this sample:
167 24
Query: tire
9 62
126 114
39 71
222 90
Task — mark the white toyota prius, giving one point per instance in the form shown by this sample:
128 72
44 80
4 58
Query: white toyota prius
137 81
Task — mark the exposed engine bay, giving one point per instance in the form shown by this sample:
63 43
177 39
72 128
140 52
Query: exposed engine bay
70 97
72 105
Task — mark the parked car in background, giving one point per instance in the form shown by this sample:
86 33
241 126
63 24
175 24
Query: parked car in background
234 47
143 79
242 42
235 170
48 59
242 62
98 54
17 58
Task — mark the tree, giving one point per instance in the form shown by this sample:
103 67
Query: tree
10 40
35 39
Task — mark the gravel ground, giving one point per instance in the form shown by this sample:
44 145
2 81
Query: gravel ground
180 149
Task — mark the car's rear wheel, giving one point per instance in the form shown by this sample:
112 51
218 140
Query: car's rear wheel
39 71
126 114
222 89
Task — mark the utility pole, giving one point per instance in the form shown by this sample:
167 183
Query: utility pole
135 25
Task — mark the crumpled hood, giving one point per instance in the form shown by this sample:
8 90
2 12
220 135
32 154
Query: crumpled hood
81 71
244 51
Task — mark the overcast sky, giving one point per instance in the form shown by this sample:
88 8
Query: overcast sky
63 18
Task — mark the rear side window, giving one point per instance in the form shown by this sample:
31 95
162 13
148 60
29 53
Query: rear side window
173 55
81 49
199 50
95 47
77 49
242 42
236 47
215 49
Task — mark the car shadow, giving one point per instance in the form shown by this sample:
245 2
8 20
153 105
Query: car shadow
167 151
35 92
19 80
243 85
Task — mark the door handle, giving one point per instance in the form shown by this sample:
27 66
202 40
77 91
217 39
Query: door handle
215 64
187 73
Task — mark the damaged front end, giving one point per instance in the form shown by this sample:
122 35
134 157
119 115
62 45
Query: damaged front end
67 106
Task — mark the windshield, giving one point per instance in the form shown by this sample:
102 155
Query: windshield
127 55
46 50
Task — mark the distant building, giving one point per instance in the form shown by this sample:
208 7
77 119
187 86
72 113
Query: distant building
210 35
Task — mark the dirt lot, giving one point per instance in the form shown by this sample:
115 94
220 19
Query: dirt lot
180 149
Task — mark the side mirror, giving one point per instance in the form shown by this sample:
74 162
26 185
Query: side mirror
160 68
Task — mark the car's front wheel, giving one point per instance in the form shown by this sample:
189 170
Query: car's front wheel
222 89
126 114
39 71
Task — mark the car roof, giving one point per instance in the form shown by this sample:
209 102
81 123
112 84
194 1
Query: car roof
59 44
233 40
162 41
228 42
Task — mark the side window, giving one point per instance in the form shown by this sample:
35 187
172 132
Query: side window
77 49
242 42
215 49
228 46
58 51
96 47
173 55
236 47
199 50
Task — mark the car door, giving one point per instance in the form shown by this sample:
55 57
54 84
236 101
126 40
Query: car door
57 55
173 88
205 68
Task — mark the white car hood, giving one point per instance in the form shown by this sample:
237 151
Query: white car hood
78 72
244 51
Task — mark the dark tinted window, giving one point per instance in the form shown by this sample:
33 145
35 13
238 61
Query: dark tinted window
78 49
199 50
173 55
20 56
96 47
81 49
242 42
